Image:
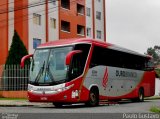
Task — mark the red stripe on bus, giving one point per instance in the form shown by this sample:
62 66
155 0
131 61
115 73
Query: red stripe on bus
105 78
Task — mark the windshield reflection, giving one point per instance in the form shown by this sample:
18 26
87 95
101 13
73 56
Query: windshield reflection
48 66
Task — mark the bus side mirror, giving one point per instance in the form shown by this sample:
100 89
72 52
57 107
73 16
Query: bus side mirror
70 55
24 58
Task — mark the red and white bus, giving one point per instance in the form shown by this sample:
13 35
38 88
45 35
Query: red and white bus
88 71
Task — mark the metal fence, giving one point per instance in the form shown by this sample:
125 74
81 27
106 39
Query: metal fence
13 77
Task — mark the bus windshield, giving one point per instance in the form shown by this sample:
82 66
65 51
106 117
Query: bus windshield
48 66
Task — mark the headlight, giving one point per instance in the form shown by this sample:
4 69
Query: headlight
64 88
30 87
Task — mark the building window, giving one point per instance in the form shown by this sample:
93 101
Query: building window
53 23
80 30
65 4
98 15
36 42
37 19
80 9
65 26
89 32
88 11
99 34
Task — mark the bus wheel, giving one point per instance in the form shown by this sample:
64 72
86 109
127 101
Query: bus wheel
141 95
93 97
57 104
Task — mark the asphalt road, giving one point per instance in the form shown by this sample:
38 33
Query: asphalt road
112 111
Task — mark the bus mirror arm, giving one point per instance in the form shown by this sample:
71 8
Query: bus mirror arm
24 58
70 55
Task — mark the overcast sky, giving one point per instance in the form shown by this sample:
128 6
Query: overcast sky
133 24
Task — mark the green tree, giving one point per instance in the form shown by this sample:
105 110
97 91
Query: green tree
157 72
155 53
17 51
12 66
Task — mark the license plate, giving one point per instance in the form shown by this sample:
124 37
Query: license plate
44 98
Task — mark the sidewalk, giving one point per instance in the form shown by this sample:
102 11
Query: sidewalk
13 103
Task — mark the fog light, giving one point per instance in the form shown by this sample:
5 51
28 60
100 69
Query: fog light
65 97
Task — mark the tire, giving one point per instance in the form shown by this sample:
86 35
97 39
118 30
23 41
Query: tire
141 95
93 98
57 104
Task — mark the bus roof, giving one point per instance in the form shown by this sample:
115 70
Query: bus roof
64 42
72 41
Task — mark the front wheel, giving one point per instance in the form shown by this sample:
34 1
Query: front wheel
93 98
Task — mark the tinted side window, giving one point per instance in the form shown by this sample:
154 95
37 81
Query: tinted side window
114 58
103 56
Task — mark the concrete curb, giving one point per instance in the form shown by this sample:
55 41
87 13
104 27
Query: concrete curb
16 105
21 103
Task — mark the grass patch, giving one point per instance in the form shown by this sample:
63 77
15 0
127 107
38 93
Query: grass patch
13 99
155 109
152 98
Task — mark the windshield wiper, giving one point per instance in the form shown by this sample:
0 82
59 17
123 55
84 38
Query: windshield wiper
32 67
40 72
